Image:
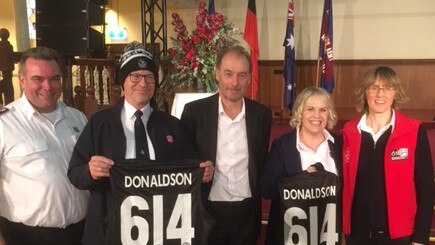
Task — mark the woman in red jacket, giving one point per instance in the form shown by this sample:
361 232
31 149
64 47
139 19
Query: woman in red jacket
388 192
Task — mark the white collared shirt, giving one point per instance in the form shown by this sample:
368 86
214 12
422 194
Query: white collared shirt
322 153
231 177
127 119
362 125
34 158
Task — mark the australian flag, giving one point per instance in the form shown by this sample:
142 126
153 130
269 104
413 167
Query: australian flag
289 59
325 48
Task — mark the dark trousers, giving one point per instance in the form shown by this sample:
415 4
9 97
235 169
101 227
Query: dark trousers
20 234
376 239
236 223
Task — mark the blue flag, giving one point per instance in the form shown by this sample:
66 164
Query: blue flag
325 49
211 7
289 60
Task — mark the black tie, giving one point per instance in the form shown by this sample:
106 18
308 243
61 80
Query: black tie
140 137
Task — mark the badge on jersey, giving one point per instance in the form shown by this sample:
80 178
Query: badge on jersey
399 154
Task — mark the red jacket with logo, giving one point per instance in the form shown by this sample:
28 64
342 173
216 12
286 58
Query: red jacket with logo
399 174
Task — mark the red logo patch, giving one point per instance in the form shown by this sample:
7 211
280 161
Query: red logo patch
169 138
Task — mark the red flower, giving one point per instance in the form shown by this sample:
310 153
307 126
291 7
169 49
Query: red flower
186 47
193 54
202 31
194 66
172 52
195 39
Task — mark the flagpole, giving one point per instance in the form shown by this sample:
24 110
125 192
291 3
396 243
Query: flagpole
318 72
252 92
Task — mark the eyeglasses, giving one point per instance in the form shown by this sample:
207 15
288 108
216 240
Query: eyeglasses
136 78
376 89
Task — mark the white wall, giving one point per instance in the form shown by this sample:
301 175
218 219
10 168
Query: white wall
363 29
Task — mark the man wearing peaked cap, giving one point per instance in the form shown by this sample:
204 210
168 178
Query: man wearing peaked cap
111 135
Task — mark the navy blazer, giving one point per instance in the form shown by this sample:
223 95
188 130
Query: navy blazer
200 119
104 136
283 161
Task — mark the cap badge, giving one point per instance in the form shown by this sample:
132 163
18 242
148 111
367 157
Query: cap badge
141 63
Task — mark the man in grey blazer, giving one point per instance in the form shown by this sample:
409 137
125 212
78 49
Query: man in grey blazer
233 132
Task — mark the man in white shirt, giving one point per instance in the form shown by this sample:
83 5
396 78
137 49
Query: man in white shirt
233 132
38 204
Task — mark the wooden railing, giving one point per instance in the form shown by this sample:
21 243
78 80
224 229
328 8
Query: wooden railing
93 83
89 84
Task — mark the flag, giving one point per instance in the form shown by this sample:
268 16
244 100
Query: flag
325 48
289 59
251 37
211 7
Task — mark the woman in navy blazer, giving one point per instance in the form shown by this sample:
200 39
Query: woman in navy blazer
309 147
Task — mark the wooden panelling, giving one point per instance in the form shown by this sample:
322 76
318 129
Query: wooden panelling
418 78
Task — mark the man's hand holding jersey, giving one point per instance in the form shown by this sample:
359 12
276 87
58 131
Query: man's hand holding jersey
99 167
208 171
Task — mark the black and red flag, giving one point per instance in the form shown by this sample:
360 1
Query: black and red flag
250 35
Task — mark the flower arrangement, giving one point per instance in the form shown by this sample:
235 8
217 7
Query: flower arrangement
193 56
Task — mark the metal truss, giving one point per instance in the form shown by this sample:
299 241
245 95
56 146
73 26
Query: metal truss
154 26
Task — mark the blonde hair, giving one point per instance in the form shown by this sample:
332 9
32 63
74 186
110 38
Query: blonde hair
390 78
304 97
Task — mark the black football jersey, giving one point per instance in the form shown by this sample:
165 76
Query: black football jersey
310 208
157 203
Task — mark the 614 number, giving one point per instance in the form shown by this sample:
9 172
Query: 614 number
180 213
327 234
